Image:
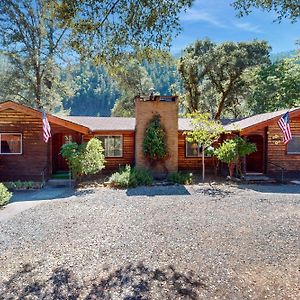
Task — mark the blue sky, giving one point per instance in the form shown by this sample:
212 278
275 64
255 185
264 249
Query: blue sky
217 20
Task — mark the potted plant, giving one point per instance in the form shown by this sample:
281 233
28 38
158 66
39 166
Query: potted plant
232 151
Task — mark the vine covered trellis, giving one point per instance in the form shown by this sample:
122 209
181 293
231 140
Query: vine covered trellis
155 140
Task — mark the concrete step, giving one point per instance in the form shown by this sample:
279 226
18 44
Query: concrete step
258 179
60 182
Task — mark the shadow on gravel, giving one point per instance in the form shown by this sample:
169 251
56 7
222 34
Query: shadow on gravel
213 192
129 282
272 188
46 193
169 190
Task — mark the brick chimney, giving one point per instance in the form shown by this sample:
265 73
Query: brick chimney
145 108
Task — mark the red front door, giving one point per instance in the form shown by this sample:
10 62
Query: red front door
58 162
255 160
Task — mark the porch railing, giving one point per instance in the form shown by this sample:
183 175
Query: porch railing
43 173
282 169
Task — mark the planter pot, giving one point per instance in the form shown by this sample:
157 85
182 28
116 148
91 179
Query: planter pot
231 167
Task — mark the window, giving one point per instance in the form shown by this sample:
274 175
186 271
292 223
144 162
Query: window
10 143
112 144
293 146
194 149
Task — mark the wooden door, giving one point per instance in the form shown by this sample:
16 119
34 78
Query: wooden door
255 160
58 162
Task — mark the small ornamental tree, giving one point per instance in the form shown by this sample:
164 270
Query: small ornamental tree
155 141
93 157
5 195
205 133
84 159
232 151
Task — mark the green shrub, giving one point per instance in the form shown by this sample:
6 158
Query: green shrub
121 179
233 149
15 185
141 176
93 157
84 159
5 195
130 177
181 178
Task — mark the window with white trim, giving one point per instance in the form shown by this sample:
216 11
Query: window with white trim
293 146
112 144
10 143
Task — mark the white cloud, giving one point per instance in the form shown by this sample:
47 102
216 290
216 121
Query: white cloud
247 27
194 15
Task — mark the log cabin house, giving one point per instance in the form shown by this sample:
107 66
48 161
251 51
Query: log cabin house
25 156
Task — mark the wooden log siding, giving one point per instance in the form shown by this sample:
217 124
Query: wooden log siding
28 165
190 163
277 153
36 154
113 163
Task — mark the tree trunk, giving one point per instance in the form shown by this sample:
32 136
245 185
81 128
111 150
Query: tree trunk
231 166
203 166
223 99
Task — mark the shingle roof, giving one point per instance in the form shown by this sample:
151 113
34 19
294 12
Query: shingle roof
256 119
103 123
119 123
128 124
116 123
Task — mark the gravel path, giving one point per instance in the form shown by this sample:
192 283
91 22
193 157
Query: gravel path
198 242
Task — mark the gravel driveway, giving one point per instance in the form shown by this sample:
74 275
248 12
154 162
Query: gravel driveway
198 242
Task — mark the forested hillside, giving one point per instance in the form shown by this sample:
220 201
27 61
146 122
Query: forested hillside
97 92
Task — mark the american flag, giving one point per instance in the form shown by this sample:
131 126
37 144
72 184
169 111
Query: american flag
46 128
284 124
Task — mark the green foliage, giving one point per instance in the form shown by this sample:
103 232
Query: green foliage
40 37
181 178
93 157
205 130
275 87
96 91
136 78
155 143
22 185
132 79
227 152
212 74
283 8
130 177
5 195
84 159
233 149
109 30
72 152
32 42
